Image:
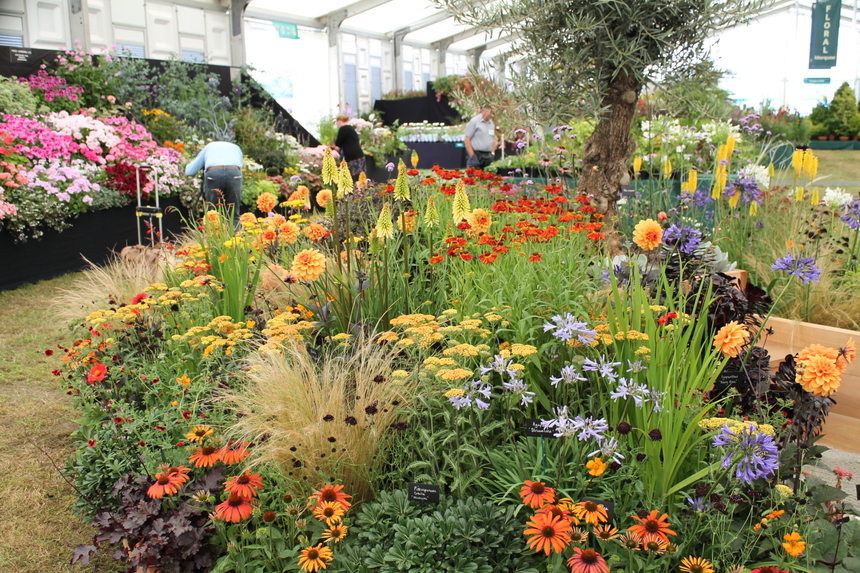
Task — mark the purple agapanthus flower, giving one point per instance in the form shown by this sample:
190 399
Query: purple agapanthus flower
699 504
804 268
684 237
852 214
746 186
566 326
754 454
605 369
608 449
520 388
569 375
582 428
701 198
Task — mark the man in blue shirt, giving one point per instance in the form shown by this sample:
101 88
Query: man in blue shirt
222 176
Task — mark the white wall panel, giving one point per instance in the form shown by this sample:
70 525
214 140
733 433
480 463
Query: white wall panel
128 12
190 21
15 6
217 38
48 24
12 23
195 43
101 30
124 35
161 37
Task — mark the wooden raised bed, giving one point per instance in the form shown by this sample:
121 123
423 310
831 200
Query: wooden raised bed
842 429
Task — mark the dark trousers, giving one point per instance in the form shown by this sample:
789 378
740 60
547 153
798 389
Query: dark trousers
480 160
223 186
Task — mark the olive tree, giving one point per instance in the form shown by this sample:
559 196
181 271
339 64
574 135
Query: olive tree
596 56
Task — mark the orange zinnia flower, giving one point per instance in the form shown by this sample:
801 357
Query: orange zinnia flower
245 485
97 373
234 452
587 561
308 265
591 512
795 546
652 525
205 457
329 511
548 533
730 338
331 493
536 494
164 485
235 509
648 234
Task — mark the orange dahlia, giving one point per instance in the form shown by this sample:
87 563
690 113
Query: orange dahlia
266 202
323 197
548 533
315 231
536 494
308 265
288 232
647 234
730 338
819 375
817 350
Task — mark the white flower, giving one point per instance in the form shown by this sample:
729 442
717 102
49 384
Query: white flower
837 197
759 173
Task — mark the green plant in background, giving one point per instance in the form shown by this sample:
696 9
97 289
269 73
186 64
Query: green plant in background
16 98
843 106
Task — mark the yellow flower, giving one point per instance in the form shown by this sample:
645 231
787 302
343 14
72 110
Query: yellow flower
455 392
453 374
696 565
384 227
401 186
637 166
344 181
184 380
795 546
731 338
323 197
647 234
461 206
596 467
308 265
523 349
431 214
461 350
784 490
329 168
199 433
667 168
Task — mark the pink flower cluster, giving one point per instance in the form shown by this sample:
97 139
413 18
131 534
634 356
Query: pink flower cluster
53 87
62 180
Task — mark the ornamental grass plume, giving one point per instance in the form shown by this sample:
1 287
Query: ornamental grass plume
731 338
301 411
308 265
117 278
648 234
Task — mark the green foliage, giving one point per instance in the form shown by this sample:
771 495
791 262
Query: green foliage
844 110
457 535
695 94
37 212
16 98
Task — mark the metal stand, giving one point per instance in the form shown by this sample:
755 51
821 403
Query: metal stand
148 211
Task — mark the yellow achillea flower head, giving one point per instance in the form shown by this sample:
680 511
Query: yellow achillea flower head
384 226
329 168
461 206
784 490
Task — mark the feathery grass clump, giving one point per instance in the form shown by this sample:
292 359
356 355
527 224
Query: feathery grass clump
325 418
118 280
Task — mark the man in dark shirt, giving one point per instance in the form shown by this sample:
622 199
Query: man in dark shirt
349 146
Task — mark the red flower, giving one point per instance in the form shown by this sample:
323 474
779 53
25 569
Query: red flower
186 414
235 509
412 172
138 297
97 373
91 443
245 485
49 352
118 420
535 257
436 259
488 258
466 257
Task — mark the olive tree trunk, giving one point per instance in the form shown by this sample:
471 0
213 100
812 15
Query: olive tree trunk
606 153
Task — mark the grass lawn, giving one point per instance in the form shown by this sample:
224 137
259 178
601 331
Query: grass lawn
839 165
38 531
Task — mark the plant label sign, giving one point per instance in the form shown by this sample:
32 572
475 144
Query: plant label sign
730 377
424 492
609 505
532 428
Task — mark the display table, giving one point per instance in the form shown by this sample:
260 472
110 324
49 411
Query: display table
840 145
94 235
444 154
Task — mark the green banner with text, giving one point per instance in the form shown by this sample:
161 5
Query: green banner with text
286 30
826 15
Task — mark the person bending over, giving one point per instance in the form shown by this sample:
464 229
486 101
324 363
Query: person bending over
221 163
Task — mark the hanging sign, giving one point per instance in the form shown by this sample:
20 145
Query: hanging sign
286 30
826 15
